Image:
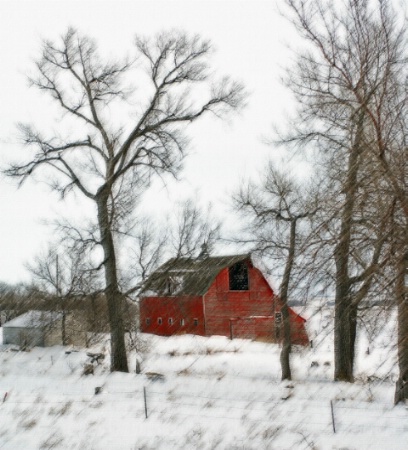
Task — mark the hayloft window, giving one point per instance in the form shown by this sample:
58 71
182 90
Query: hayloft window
173 284
238 277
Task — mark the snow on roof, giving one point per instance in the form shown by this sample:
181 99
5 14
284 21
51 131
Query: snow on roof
261 266
33 319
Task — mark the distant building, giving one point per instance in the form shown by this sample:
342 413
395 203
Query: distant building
221 295
41 329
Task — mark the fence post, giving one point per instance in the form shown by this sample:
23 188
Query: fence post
145 401
332 416
138 368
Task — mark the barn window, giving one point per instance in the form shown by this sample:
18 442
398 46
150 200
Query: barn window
182 322
159 320
195 321
148 321
173 284
238 277
170 321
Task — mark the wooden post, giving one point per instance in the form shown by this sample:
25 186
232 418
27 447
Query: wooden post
145 401
332 415
138 368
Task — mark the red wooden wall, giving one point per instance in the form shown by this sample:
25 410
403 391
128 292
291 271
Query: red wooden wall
221 304
265 329
298 329
182 311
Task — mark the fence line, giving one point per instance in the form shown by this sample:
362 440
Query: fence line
338 414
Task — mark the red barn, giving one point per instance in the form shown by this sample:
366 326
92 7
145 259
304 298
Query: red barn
221 295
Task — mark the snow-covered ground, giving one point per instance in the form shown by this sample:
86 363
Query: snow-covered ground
204 393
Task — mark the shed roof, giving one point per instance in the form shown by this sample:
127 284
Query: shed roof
190 276
33 319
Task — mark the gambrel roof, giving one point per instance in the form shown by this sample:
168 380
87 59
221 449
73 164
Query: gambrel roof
188 276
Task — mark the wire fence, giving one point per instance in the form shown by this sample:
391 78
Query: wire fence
154 403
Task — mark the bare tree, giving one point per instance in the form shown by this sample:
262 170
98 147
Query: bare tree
109 162
62 274
183 232
275 210
193 228
148 250
11 301
16 299
367 231
352 102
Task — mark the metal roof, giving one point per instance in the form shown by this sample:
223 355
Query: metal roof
188 276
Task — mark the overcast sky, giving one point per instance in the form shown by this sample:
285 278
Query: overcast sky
250 38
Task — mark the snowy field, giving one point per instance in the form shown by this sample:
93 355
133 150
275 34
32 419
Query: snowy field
204 393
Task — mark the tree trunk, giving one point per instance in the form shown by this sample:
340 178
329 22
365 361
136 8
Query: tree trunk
287 344
64 326
401 388
353 334
113 295
343 335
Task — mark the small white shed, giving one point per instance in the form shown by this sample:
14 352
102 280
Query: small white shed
34 328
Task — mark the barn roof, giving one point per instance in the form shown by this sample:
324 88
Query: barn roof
189 276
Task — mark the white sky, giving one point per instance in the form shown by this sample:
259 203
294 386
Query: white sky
251 42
